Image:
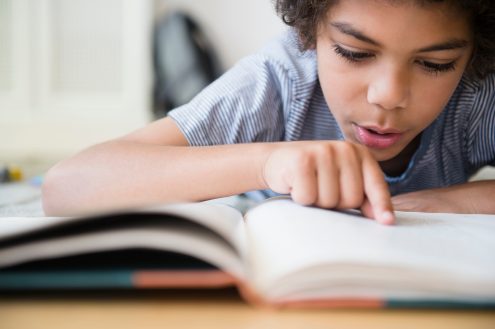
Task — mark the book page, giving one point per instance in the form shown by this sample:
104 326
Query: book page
203 242
199 244
10 226
221 218
286 239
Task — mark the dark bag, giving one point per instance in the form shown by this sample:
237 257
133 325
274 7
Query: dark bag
183 60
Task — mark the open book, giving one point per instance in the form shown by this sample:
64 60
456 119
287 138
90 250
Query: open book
279 253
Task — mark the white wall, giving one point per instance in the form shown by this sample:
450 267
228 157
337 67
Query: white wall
37 128
236 28
70 76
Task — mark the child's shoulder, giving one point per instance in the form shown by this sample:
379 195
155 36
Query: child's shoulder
475 111
284 55
487 85
473 98
482 93
479 86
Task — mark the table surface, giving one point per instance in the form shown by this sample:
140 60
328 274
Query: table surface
210 309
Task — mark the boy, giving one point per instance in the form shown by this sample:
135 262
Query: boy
367 99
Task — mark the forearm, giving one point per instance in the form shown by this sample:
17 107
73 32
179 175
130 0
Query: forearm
473 197
120 174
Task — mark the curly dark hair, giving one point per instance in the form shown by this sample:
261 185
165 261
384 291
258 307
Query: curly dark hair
305 15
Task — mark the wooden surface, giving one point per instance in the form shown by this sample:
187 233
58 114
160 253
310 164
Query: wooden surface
209 309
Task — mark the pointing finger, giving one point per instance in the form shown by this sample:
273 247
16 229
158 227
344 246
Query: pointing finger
376 192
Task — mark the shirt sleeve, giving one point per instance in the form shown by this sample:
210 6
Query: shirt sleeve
244 105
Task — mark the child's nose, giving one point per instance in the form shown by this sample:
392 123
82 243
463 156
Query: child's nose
389 89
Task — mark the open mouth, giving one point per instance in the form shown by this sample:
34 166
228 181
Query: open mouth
375 137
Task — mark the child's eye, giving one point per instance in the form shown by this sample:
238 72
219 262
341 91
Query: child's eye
436 68
352 56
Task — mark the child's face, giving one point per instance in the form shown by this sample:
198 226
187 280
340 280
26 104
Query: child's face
387 70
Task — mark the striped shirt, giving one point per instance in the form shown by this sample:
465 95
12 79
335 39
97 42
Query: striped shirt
274 95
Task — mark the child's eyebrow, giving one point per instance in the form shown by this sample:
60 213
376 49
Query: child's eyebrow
447 45
346 28
451 44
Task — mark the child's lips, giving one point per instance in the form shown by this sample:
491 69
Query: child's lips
376 137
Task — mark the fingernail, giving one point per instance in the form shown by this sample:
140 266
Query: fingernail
387 217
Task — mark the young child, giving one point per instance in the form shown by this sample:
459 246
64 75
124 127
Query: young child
358 101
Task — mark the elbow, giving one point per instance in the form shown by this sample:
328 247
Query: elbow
52 191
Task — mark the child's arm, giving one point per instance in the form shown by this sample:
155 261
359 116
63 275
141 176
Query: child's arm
149 166
155 165
474 197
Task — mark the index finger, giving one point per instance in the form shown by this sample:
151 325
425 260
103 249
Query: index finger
376 192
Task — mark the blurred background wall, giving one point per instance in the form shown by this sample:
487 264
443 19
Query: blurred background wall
235 27
77 72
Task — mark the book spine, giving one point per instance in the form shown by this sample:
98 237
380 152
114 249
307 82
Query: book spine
125 279
65 280
182 279
440 304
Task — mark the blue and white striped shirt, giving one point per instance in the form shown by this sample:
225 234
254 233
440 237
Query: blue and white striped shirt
275 95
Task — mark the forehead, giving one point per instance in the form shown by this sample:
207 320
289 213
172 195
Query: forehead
449 7
452 4
403 19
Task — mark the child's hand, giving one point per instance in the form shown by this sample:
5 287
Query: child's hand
330 174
